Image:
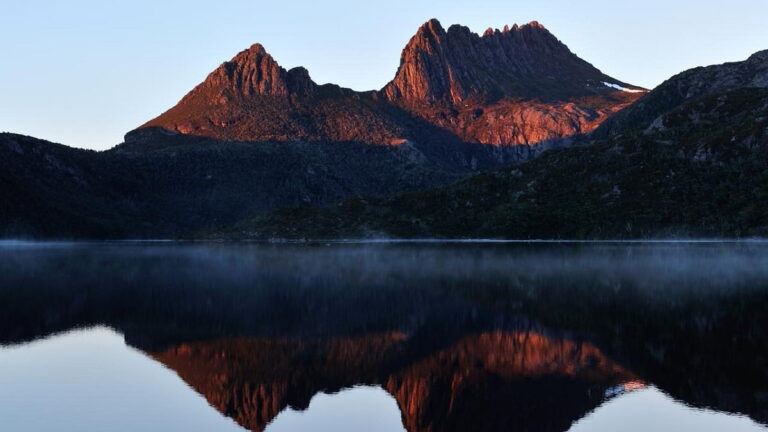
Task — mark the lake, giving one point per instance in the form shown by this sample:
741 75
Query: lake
384 336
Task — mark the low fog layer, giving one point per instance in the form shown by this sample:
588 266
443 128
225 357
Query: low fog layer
648 265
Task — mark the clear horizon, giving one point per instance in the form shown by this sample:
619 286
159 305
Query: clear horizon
84 73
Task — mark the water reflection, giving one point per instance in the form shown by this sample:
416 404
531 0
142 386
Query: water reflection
463 337
369 409
461 386
651 410
89 380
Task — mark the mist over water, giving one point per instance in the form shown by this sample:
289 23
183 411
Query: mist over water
451 334
642 263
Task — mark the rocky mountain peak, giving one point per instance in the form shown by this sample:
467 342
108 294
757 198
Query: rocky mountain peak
250 73
431 27
457 66
256 48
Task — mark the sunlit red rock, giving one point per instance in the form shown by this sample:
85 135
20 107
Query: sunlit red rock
516 86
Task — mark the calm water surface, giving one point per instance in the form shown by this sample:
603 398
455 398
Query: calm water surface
384 337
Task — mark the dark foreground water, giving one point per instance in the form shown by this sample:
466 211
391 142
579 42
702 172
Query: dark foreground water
384 337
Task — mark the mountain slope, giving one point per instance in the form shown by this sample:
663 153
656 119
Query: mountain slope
182 184
689 85
700 171
50 190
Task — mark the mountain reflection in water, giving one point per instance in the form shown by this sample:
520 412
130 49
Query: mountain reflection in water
462 336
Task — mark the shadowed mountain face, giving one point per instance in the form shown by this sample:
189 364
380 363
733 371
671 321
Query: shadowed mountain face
519 86
487 337
183 184
695 84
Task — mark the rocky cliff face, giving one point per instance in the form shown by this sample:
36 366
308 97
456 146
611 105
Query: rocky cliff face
519 85
516 86
457 66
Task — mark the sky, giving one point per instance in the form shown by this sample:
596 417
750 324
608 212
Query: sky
85 72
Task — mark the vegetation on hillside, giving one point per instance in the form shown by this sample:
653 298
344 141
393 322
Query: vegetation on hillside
703 171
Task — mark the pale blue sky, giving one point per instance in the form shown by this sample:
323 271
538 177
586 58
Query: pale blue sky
84 72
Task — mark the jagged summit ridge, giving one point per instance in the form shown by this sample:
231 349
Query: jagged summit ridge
520 61
490 31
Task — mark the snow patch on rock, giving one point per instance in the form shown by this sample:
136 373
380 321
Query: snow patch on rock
624 89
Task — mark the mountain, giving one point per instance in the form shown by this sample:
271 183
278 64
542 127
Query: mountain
252 98
519 86
253 137
689 159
